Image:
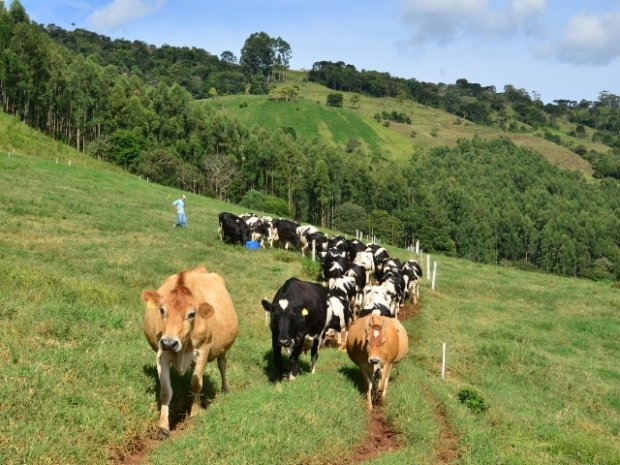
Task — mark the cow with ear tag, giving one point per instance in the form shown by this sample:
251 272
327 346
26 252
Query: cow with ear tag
297 312
189 320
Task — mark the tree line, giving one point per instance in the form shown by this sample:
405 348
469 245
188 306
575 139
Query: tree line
488 201
514 109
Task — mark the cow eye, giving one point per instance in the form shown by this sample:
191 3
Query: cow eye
162 311
191 314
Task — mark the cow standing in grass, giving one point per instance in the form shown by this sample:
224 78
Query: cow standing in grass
375 344
189 320
298 312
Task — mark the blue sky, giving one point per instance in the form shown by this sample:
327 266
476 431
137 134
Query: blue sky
555 48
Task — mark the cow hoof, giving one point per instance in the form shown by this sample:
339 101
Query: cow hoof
164 433
291 377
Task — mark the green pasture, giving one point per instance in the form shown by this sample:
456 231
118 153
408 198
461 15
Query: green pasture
78 383
430 127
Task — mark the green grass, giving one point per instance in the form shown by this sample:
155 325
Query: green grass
430 127
78 245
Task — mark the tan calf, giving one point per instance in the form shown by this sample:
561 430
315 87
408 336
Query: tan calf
375 343
189 320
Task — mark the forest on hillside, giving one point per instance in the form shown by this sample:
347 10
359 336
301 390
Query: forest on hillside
135 105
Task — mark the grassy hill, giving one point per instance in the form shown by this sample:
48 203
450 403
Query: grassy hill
79 243
430 127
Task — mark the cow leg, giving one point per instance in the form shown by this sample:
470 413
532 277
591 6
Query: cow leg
314 352
294 357
277 353
368 387
165 392
199 369
385 379
221 364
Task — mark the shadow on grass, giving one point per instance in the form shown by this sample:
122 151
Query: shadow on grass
273 374
182 395
354 375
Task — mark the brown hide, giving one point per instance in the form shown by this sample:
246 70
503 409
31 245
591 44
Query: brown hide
381 337
195 309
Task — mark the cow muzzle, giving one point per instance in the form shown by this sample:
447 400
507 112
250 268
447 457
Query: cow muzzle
286 343
374 360
171 344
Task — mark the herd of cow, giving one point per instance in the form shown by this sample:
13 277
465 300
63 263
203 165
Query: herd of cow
190 319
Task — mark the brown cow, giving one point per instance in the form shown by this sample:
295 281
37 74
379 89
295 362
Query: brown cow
375 343
189 319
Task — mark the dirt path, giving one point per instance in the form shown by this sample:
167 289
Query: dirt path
382 438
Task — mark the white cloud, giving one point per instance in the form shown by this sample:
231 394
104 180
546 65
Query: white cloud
120 12
591 39
443 21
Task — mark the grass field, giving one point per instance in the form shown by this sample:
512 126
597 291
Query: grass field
78 382
429 127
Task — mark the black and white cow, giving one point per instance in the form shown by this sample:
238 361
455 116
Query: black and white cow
285 233
380 256
259 227
376 301
392 279
232 229
337 242
365 259
309 234
412 273
354 246
357 272
334 264
298 311
339 317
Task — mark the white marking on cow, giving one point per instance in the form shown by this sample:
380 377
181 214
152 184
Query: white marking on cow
283 303
376 333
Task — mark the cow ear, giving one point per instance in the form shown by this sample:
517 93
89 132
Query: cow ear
151 298
205 310
267 305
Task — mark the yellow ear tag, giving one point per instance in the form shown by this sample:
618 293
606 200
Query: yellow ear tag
304 312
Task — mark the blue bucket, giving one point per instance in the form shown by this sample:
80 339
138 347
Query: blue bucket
252 245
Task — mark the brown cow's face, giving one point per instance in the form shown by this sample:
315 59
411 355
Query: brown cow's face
375 340
177 313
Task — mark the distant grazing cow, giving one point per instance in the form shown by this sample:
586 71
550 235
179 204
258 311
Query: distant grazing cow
260 228
375 343
285 233
233 229
189 320
298 311
412 273
309 234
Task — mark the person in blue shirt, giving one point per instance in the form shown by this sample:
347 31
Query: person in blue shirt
179 204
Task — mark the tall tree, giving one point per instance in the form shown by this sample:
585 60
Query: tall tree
258 55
